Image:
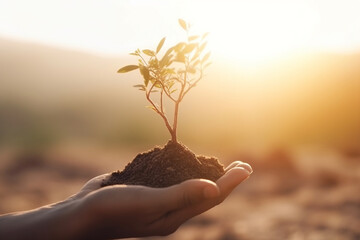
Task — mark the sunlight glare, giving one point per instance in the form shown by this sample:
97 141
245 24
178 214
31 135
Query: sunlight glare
255 32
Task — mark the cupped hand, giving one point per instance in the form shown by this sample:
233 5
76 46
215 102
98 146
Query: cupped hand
121 211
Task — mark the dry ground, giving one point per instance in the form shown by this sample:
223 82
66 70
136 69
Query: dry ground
295 195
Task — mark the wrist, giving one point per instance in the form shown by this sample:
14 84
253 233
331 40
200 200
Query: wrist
59 221
66 220
79 220
88 220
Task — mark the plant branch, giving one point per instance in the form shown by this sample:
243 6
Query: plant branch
162 114
177 103
168 94
162 101
194 83
145 62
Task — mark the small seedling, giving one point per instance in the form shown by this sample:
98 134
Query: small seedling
173 75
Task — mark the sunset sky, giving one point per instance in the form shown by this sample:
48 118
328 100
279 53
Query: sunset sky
261 53
248 30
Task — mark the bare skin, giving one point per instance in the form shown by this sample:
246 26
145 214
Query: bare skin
122 211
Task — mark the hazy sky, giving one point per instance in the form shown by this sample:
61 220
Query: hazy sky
247 29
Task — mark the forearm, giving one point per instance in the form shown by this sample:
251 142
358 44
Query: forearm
65 220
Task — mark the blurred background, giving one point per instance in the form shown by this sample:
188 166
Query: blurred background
282 94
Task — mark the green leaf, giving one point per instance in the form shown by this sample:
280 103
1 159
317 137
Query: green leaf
208 64
146 74
152 108
149 52
196 56
191 70
206 57
141 87
189 48
158 85
169 63
178 47
153 63
165 60
128 68
169 51
180 58
192 38
169 71
183 24
171 84
202 47
161 43
196 63
204 35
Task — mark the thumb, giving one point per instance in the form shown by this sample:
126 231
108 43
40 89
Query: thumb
188 193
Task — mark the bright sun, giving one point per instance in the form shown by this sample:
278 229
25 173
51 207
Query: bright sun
254 33
250 31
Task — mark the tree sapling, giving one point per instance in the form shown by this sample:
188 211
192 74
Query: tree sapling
171 76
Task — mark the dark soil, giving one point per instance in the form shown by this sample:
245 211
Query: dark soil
163 167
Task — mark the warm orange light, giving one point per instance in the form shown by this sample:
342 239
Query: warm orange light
255 32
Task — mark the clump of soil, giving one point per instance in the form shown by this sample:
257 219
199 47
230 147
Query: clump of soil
163 167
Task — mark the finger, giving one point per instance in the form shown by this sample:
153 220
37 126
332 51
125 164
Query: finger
186 194
226 184
230 180
95 182
246 166
174 200
232 165
239 164
92 185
